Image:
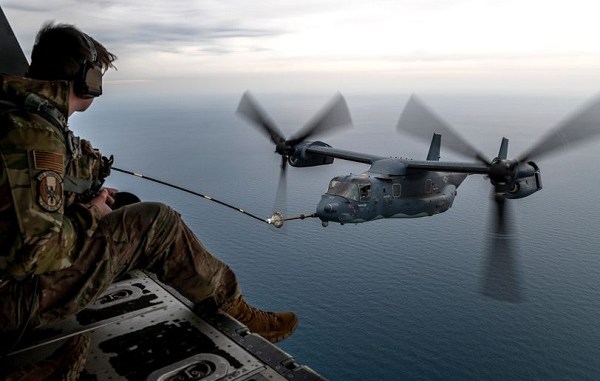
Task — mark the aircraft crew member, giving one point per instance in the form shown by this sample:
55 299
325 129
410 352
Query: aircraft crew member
61 243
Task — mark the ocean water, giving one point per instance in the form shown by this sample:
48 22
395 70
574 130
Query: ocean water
389 299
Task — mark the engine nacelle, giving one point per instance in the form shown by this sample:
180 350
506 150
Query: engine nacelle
528 182
301 158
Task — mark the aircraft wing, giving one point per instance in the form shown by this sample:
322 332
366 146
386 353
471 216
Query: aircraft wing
441 166
343 154
438 166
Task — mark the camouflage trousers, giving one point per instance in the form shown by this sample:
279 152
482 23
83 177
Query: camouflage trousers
145 235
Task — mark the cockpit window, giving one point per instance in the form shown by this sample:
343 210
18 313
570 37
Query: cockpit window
364 191
344 189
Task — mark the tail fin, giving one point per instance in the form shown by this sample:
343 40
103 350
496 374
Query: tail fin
503 152
434 148
13 60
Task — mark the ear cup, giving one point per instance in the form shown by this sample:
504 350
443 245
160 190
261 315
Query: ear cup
88 82
92 82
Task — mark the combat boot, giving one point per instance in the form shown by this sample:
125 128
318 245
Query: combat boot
273 326
65 364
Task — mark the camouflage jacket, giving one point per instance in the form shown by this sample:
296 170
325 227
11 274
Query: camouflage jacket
44 170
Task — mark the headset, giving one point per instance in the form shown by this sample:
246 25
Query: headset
88 81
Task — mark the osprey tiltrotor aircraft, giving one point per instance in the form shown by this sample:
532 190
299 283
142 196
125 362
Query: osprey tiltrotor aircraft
405 188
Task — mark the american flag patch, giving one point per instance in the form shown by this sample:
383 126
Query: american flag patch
49 161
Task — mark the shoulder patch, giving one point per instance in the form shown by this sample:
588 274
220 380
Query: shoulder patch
50 191
49 161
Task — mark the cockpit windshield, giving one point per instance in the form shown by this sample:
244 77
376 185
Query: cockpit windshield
348 190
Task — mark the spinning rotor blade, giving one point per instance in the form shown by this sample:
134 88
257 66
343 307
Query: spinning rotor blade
280 198
334 115
281 195
501 279
581 126
281 187
251 110
421 122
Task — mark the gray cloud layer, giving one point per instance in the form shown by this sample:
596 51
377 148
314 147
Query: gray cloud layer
383 43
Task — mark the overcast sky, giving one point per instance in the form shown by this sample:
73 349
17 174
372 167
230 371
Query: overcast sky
329 45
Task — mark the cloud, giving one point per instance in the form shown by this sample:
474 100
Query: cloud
159 32
141 21
161 39
28 6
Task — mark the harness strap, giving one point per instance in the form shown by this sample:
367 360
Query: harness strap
76 185
36 103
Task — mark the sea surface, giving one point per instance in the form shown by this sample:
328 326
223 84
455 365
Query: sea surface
394 299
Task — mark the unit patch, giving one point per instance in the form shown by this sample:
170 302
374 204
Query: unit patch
50 191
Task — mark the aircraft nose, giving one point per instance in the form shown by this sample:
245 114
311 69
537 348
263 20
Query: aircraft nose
331 208
326 209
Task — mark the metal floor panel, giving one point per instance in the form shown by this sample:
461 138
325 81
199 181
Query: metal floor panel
140 330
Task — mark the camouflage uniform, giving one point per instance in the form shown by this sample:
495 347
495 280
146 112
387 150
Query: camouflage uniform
56 251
